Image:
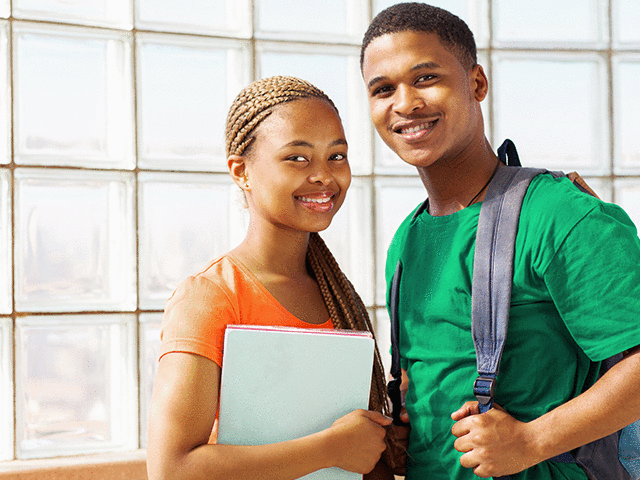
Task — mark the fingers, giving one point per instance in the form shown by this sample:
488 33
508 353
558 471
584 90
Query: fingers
468 409
358 440
404 415
376 417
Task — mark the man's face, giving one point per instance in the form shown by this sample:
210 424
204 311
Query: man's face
423 102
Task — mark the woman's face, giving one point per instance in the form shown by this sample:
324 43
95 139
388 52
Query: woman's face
297 172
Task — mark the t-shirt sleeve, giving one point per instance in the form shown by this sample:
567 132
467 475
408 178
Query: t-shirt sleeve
594 280
195 319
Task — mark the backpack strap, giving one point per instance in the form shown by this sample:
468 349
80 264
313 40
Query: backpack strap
493 273
508 154
393 387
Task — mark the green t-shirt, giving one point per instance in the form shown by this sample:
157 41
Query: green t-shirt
575 302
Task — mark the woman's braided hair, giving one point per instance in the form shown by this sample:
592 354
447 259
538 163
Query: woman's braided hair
256 102
346 309
345 306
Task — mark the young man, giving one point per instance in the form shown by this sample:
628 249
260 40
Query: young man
576 288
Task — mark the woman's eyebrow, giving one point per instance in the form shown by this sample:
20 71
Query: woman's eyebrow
304 143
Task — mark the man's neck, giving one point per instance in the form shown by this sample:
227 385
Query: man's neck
456 183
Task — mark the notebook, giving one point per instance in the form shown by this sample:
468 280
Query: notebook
283 383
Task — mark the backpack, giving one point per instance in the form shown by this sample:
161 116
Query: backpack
616 456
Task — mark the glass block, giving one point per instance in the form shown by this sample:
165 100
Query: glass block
350 239
229 17
111 13
73 97
5 242
74 241
6 389
387 162
75 385
383 337
186 220
475 13
149 354
627 195
396 198
335 21
185 88
555 23
626 105
626 18
5 9
5 96
336 71
561 122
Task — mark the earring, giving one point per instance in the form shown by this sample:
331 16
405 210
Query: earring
246 181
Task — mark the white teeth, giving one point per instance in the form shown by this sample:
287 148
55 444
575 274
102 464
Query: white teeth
315 200
417 128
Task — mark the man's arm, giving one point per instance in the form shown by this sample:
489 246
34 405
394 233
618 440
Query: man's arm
496 444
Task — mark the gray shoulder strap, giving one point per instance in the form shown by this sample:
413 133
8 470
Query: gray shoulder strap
493 272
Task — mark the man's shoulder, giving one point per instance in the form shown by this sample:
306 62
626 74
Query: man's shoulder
552 198
400 236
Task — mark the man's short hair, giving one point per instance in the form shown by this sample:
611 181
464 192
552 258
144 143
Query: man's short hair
420 17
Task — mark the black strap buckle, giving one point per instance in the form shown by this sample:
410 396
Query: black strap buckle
484 390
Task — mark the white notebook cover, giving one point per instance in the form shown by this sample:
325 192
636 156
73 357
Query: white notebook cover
283 383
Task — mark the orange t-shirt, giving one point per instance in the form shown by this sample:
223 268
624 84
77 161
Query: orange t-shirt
198 312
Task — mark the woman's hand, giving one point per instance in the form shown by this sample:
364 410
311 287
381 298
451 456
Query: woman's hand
356 441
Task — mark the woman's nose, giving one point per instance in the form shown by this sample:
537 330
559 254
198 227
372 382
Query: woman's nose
321 175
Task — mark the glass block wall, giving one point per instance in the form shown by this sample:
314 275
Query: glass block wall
113 184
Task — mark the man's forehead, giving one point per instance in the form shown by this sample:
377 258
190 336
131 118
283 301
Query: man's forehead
416 50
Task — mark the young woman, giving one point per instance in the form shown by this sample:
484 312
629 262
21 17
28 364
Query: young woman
287 151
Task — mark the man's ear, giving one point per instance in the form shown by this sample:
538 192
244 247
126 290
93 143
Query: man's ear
479 83
238 170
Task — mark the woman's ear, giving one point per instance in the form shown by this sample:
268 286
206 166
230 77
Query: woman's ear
238 170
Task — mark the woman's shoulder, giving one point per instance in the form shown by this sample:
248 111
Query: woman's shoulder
209 288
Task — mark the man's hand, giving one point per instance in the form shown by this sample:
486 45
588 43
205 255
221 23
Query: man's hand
494 443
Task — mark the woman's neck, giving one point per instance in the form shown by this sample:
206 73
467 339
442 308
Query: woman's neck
274 252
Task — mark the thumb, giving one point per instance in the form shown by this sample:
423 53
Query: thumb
468 409
377 417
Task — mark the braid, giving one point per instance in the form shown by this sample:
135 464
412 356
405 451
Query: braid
347 310
256 102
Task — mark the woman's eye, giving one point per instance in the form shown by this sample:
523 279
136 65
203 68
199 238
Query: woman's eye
297 158
338 157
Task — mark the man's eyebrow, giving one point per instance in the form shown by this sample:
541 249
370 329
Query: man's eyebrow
375 80
427 65
419 66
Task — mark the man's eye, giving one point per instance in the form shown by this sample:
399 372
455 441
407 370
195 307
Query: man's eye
338 157
297 158
425 78
383 90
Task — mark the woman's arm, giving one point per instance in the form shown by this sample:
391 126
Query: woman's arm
183 409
